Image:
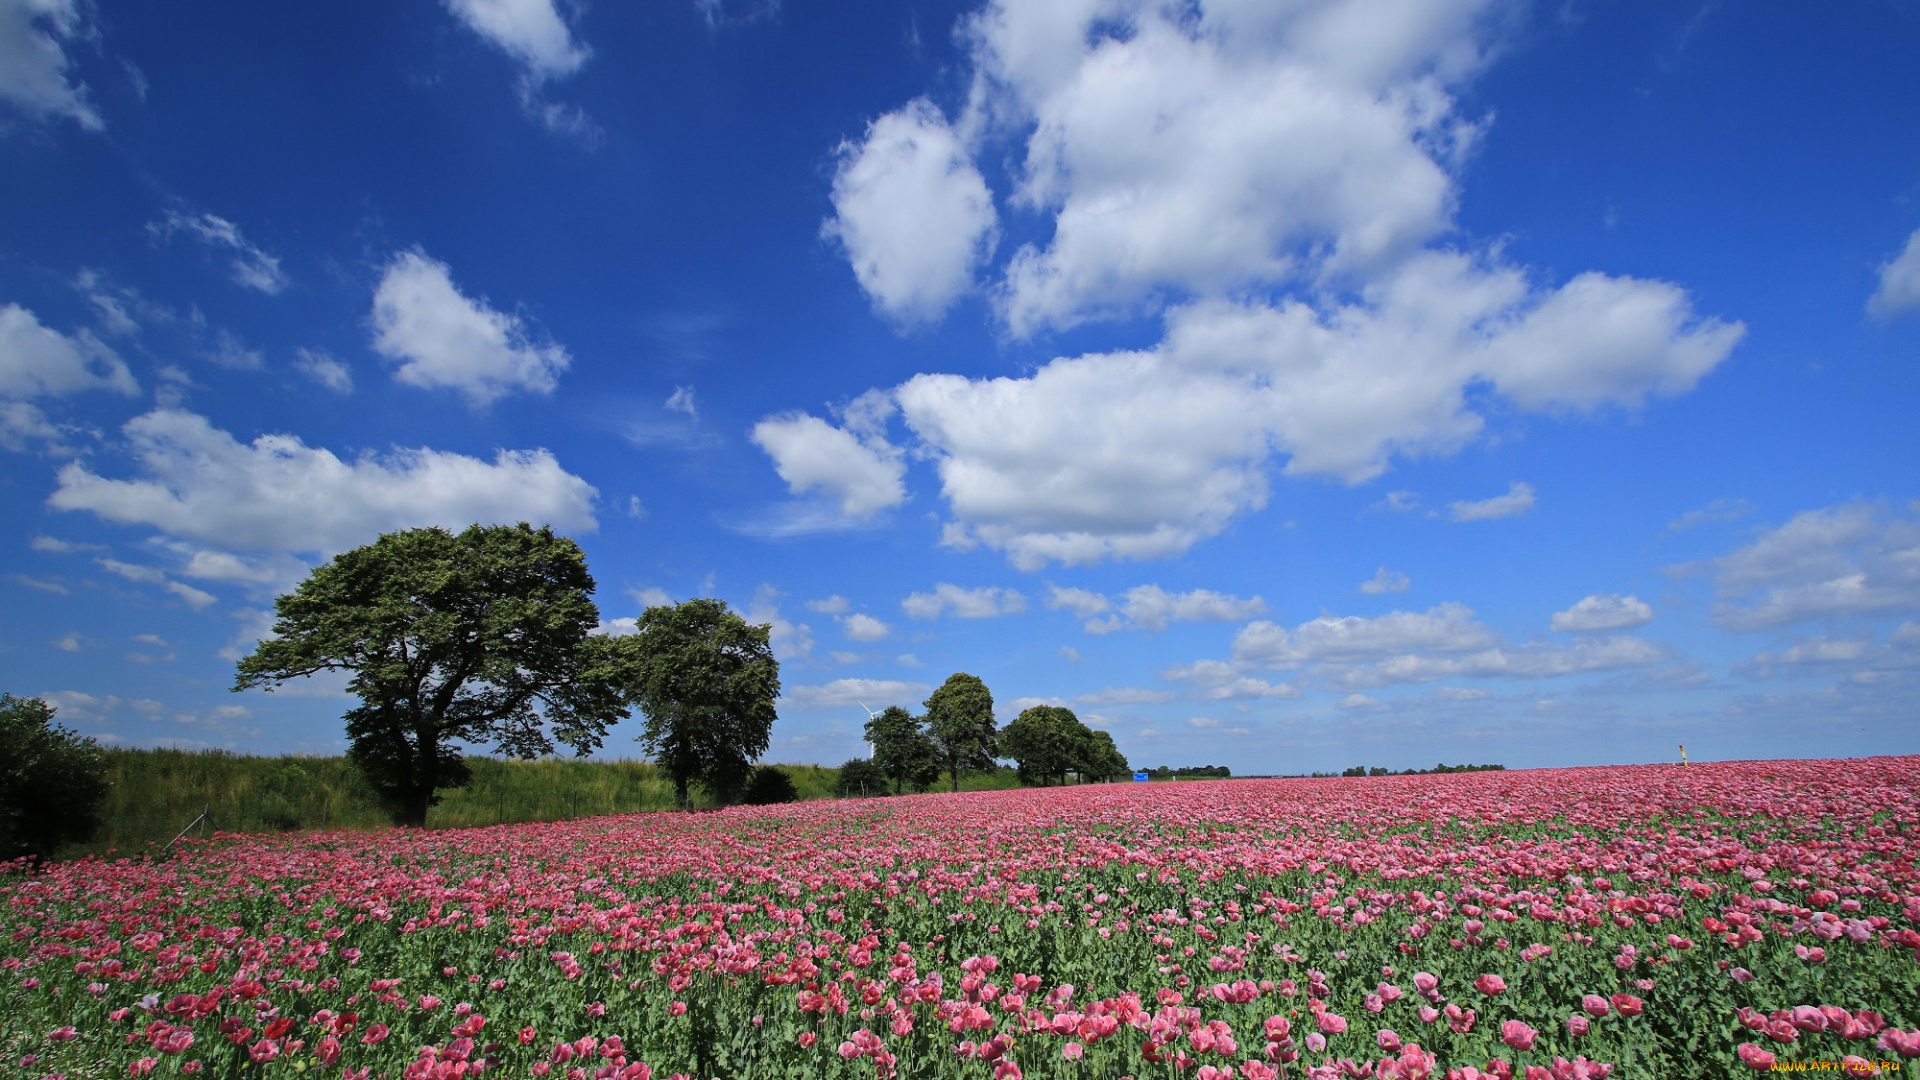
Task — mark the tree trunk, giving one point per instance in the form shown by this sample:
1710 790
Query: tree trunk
414 809
680 793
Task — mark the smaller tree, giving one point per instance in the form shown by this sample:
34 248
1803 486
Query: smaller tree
706 680
960 722
860 778
1100 760
902 750
52 782
770 784
1045 742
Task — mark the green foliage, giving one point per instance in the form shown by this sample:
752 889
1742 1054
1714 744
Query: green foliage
770 784
860 778
706 681
902 749
1046 743
52 782
960 722
1378 770
479 637
1101 761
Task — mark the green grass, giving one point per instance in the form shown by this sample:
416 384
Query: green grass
155 794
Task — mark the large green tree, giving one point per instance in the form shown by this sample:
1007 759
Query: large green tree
960 722
902 750
52 782
1046 742
483 636
706 680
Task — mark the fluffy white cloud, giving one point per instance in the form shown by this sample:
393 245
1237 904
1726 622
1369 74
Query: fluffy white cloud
442 339
1151 608
830 605
651 596
854 466
251 266
1273 178
37 360
877 693
1518 500
860 627
1445 642
1899 288
530 31
1360 701
1224 681
1609 612
1448 628
277 494
912 212
1386 581
1854 559
985 602
1141 454
1205 149
33 61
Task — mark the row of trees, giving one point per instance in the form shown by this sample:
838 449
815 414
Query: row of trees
957 735
488 636
1379 770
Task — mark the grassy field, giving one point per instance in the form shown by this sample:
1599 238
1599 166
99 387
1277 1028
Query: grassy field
157 793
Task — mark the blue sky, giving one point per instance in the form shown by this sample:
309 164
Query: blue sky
1283 385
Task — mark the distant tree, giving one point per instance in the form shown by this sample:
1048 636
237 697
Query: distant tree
52 782
770 784
481 636
706 681
902 749
860 778
1100 760
1046 742
960 721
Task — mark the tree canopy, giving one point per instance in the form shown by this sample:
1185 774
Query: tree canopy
484 636
1047 742
860 778
52 782
960 722
902 749
706 681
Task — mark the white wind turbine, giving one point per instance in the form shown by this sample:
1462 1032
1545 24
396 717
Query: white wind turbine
870 715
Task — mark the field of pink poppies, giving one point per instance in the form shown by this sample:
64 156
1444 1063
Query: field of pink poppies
1651 921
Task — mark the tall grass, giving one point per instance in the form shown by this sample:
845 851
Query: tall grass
155 794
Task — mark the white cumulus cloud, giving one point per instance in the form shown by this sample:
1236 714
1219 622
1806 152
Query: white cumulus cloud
34 62
1899 288
1857 558
985 602
442 339
1276 182
859 627
530 31
854 467
37 360
877 693
1518 500
1609 612
912 212
277 494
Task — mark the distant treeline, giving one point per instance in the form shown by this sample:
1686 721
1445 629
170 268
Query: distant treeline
1167 772
1375 770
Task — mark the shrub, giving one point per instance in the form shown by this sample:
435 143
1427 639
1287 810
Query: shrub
860 777
52 782
770 784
